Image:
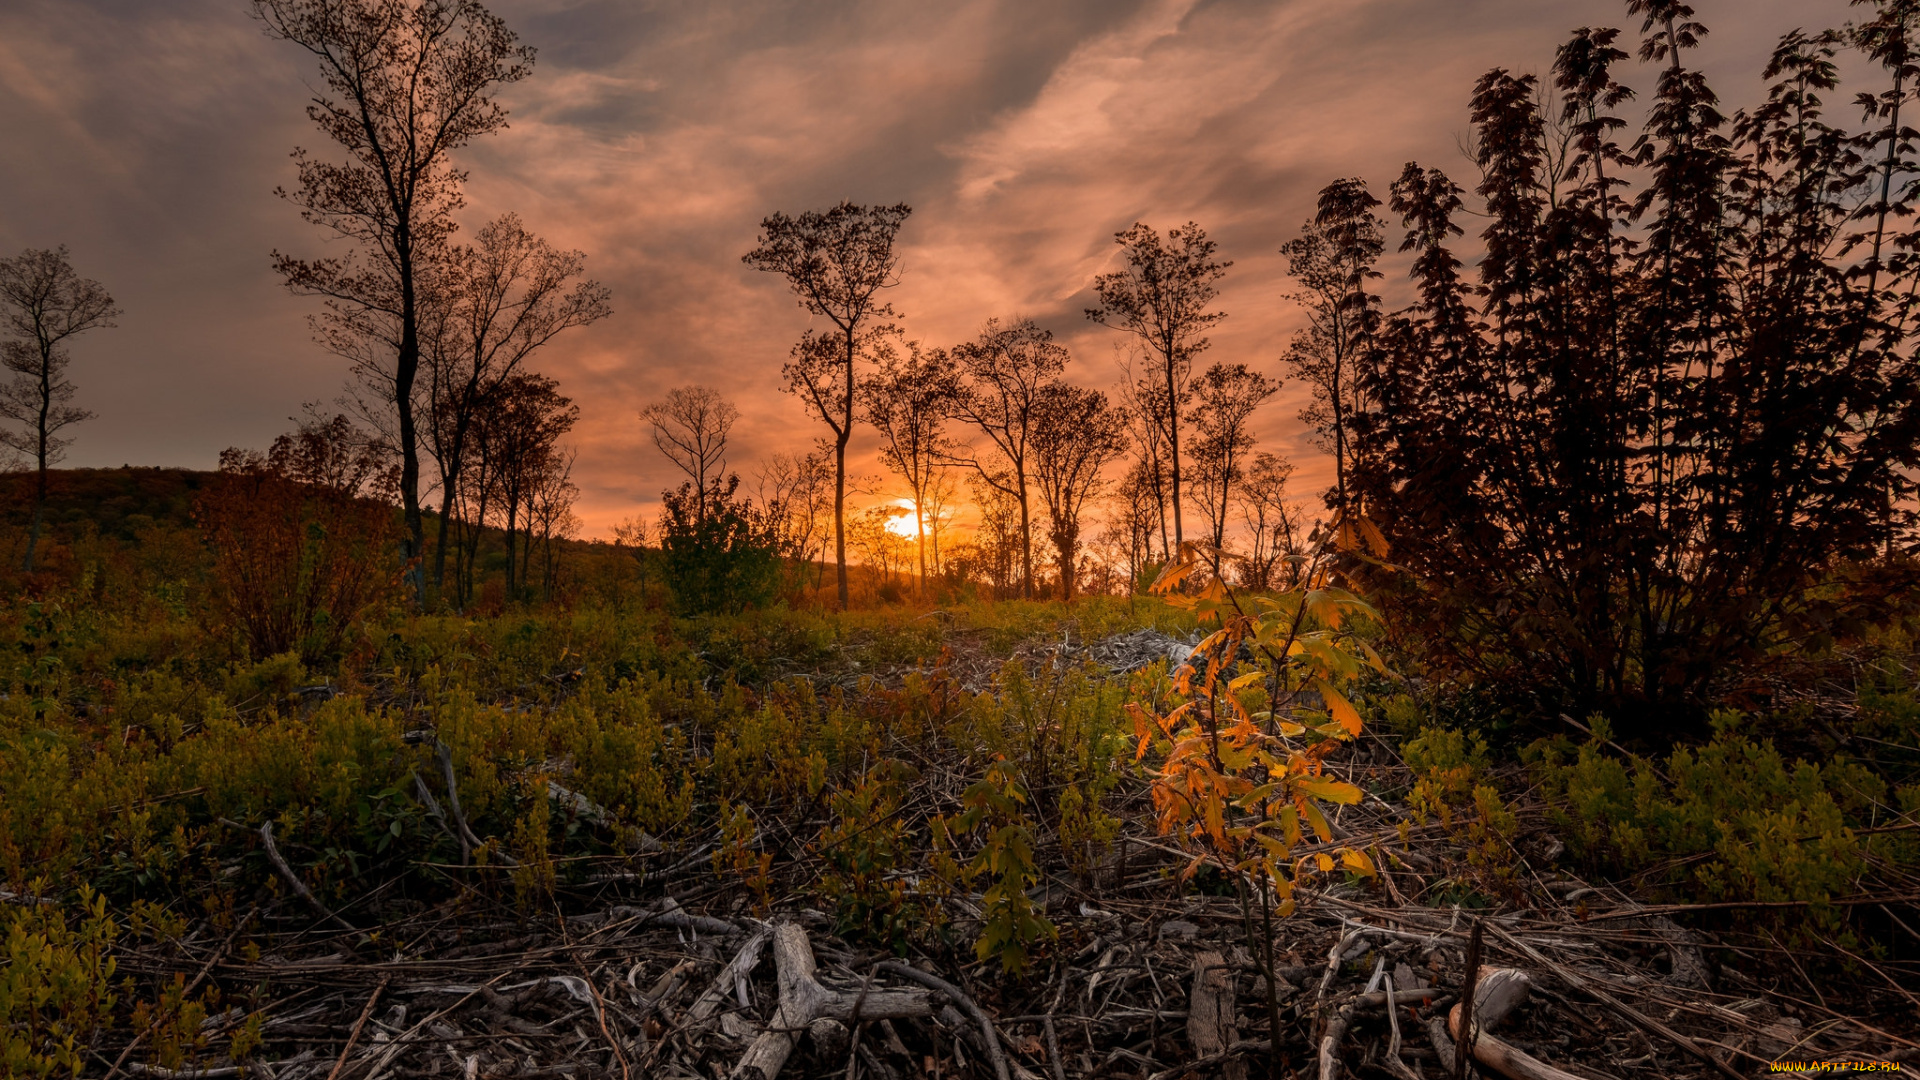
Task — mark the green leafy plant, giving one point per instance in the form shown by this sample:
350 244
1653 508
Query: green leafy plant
56 986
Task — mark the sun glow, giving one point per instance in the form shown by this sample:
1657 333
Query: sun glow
902 524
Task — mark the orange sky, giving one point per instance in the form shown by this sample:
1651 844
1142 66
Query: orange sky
149 135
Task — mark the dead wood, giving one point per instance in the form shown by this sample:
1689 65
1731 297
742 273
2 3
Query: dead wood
1211 1012
988 1032
1498 993
804 1002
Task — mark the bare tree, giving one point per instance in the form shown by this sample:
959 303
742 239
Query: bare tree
43 303
1161 298
797 490
491 305
1228 396
407 83
1003 373
691 428
1273 521
1077 434
836 262
907 401
1147 413
1333 258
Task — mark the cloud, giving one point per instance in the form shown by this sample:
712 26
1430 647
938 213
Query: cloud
150 136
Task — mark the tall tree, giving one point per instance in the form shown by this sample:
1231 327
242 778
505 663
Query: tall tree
1162 298
488 308
1228 395
1332 259
907 400
1003 377
836 262
43 303
406 84
691 427
1077 433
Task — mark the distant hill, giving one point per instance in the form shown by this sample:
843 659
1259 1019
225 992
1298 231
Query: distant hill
120 502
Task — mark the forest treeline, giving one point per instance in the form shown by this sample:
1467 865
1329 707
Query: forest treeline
1654 418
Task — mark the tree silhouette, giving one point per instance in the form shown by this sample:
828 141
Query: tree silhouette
407 83
907 401
1661 432
691 427
43 303
1228 395
1076 434
1273 522
487 308
1333 259
1004 374
836 262
1161 298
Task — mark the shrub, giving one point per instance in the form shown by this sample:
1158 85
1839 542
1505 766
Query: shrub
1732 820
301 547
721 554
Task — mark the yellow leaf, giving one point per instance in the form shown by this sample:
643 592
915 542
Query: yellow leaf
1251 678
1321 787
1342 709
1325 860
1358 862
1318 820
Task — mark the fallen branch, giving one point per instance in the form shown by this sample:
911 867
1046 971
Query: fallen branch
280 866
953 993
804 1002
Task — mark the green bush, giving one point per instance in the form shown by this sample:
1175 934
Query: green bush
1732 820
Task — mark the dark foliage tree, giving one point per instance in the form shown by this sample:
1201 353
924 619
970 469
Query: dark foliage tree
836 261
1076 434
1227 395
516 456
43 303
1004 374
486 308
1332 259
721 557
1161 298
907 400
406 84
1660 432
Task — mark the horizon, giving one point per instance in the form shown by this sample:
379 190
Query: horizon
656 141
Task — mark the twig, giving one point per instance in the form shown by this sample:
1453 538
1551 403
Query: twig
265 832
1464 1034
354 1035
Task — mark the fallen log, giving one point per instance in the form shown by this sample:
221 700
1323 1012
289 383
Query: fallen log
804 1001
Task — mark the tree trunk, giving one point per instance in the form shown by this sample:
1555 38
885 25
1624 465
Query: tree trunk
1026 538
1173 440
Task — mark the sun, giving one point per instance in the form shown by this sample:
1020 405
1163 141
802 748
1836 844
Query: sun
902 524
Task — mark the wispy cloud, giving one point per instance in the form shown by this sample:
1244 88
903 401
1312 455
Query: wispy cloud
150 136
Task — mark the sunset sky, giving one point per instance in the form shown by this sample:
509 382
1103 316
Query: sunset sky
149 135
